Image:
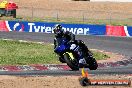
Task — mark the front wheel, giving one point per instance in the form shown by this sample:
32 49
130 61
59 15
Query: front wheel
61 60
72 63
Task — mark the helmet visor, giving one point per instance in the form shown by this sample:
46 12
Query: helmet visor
56 31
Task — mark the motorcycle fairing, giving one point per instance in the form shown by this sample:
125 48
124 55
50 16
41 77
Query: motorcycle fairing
71 55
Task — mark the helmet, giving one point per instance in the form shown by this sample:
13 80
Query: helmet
58 29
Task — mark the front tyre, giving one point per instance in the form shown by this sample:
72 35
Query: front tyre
72 63
61 60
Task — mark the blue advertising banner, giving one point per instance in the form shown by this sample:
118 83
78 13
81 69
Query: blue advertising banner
81 29
129 28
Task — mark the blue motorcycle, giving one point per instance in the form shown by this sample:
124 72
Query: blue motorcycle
70 53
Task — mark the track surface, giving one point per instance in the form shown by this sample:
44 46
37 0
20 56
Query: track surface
121 45
111 71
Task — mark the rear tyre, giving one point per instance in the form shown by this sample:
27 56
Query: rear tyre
72 64
92 63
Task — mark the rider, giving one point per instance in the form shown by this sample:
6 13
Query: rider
60 33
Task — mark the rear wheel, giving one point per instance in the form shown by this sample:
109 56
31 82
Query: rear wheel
72 63
93 65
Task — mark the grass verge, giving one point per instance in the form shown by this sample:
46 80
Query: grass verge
23 53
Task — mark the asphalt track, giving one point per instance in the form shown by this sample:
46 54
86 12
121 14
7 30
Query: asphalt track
125 70
120 45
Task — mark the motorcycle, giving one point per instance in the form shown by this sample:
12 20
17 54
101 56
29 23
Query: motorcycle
70 53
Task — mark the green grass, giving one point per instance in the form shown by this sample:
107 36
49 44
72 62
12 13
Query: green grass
99 55
14 52
23 53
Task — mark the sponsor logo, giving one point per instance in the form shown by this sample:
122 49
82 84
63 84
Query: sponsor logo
18 27
49 29
15 26
85 81
44 27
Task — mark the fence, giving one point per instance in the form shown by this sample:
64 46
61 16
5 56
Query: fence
75 16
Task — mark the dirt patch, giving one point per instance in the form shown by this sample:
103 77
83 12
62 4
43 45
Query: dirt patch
52 82
68 8
75 5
